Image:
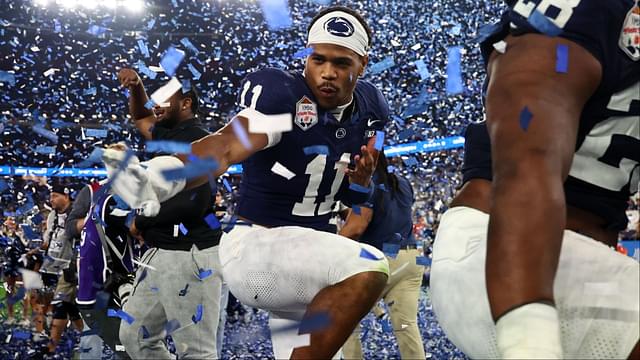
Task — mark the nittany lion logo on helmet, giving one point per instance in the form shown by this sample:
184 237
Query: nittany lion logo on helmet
339 26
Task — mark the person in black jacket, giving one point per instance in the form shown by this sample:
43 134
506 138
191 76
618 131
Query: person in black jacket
178 285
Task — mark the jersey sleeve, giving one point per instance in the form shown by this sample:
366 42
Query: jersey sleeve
593 24
266 91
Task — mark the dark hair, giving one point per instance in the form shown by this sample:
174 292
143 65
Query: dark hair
193 95
349 11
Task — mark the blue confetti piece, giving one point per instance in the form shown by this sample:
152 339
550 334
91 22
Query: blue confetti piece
198 316
359 188
143 48
186 86
96 133
562 58
46 149
186 43
525 118
56 26
356 209
454 74
241 133
276 13
203 274
422 260
126 93
7 77
171 326
191 170
316 149
379 140
367 255
96 30
543 24
3 186
381 66
89 91
422 69
45 133
226 184
150 104
196 74
121 314
154 289
183 229
171 60
150 24
301 54
390 249
167 146
146 71
212 221
314 322
21 335
416 106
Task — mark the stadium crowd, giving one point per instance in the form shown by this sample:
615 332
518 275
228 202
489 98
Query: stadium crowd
61 100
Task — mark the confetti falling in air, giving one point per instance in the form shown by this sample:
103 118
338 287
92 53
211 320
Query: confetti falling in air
169 147
171 60
454 73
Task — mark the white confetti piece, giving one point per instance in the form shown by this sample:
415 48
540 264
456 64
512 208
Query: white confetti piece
31 279
156 68
400 268
262 124
164 93
282 171
50 72
500 46
120 212
144 265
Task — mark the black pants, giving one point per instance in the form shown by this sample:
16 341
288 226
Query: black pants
104 326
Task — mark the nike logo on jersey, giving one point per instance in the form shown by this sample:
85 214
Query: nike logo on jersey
371 122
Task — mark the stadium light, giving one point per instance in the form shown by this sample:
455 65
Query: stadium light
110 4
68 3
42 3
133 5
89 4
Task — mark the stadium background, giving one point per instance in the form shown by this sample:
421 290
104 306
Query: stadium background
60 99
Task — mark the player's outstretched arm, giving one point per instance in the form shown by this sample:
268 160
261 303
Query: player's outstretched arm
532 116
226 147
143 118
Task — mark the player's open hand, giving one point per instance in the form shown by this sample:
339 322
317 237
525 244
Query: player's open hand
365 164
128 78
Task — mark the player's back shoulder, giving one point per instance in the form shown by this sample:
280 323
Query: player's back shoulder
371 98
273 76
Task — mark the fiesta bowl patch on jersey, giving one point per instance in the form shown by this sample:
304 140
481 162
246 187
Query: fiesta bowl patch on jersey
306 113
630 34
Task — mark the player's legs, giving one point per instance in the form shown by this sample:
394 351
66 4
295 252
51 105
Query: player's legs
145 306
596 290
346 303
403 299
302 270
192 293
